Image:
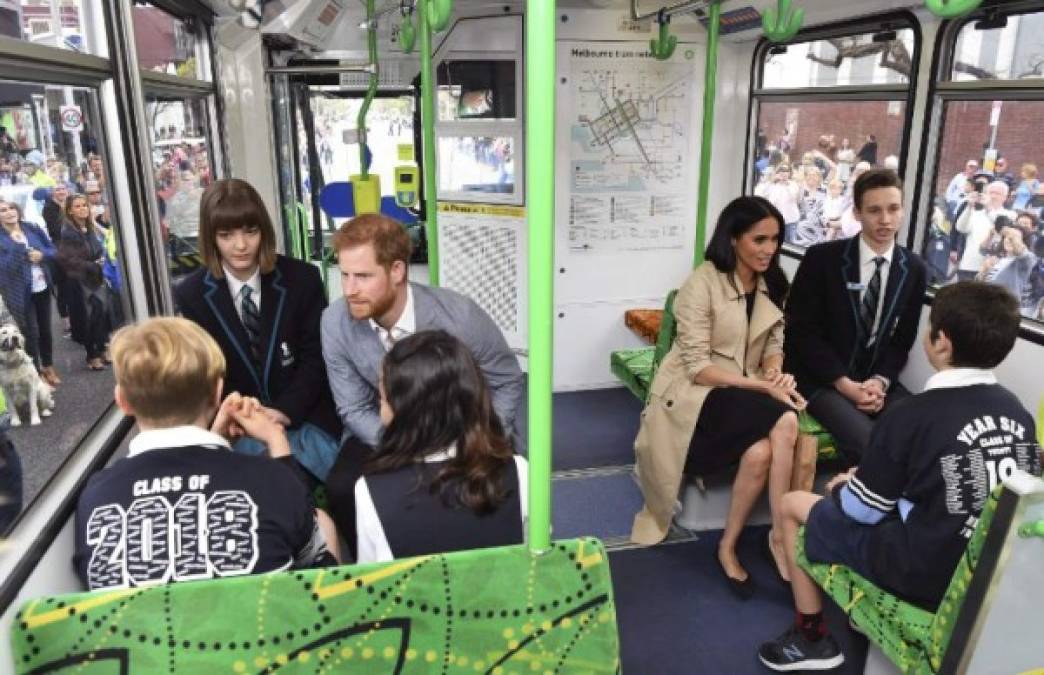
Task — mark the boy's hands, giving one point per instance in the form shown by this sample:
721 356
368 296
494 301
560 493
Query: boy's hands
241 416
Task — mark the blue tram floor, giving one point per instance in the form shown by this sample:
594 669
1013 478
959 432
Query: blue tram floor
676 615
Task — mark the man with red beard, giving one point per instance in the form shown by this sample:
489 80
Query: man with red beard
379 307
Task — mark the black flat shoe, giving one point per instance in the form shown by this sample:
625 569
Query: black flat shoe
744 590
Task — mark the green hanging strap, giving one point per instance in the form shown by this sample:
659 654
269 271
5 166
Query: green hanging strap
782 24
407 34
663 47
439 12
952 9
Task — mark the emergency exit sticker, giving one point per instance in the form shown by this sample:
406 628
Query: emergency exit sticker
72 118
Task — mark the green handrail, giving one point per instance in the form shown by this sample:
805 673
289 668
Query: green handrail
540 185
783 23
431 204
371 91
952 9
710 83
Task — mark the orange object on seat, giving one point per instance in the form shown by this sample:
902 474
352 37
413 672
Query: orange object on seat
645 323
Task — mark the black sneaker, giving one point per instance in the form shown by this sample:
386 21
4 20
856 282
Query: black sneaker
792 651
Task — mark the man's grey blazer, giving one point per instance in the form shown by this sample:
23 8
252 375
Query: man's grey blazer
353 354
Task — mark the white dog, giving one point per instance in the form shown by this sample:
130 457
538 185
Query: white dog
23 388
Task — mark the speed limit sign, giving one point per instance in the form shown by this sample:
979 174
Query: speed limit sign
72 118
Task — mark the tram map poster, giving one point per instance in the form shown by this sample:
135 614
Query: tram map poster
630 117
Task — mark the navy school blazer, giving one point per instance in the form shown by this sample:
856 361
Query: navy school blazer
823 331
292 375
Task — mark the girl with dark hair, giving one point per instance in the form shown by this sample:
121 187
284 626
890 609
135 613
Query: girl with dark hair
444 477
719 398
263 309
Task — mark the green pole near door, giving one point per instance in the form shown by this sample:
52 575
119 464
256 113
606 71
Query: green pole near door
431 204
540 214
371 90
710 83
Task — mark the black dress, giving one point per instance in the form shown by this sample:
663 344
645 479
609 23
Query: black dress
731 420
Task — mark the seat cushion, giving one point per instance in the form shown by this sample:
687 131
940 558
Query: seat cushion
477 611
633 367
645 323
902 630
826 448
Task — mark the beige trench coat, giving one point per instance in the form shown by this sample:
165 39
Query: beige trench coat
711 315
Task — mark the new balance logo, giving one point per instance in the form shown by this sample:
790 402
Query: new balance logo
793 653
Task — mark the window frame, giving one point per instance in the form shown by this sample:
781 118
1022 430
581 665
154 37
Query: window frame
895 20
943 90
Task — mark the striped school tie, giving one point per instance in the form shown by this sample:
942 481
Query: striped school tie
251 322
871 299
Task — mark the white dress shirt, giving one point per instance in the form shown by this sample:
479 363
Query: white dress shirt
960 377
866 271
188 435
405 326
235 287
373 544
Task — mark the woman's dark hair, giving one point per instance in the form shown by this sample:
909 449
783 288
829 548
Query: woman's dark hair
736 219
68 217
439 398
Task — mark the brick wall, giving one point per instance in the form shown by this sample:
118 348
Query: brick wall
854 120
967 134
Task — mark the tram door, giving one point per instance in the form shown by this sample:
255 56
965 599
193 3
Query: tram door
319 145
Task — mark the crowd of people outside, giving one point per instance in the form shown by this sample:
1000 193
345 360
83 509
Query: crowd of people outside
813 188
57 245
988 225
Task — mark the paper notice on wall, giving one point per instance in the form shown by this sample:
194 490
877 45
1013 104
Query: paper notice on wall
631 182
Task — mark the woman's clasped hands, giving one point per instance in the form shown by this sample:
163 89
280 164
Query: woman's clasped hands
782 387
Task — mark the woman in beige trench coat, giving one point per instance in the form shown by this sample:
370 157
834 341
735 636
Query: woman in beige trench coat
719 396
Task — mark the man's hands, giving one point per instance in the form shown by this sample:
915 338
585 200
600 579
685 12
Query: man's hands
240 416
868 396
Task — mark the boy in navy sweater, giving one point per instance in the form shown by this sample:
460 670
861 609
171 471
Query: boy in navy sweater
902 518
182 506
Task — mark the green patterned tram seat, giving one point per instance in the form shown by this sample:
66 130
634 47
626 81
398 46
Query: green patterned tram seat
636 367
826 447
914 639
502 610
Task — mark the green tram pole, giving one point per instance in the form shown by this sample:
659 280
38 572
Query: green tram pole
431 204
540 187
371 90
709 86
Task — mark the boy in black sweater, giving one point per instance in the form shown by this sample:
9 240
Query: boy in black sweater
182 506
902 518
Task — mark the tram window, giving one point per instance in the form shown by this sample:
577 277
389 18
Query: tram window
809 146
985 216
183 165
863 59
66 306
1010 51
54 23
811 152
483 164
165 43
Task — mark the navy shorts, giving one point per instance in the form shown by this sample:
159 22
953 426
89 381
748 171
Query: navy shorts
832 537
